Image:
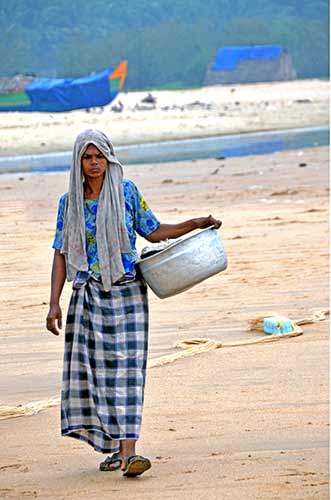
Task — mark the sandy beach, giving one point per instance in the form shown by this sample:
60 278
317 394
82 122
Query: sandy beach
246 422
203 112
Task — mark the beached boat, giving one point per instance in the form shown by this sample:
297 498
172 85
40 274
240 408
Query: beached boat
56 95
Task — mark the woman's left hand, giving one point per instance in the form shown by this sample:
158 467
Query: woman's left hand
165 231
203 222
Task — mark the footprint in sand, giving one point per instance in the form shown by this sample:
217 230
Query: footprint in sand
14 466
162 460
216 454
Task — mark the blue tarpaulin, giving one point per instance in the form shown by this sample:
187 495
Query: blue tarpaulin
60 94
227 58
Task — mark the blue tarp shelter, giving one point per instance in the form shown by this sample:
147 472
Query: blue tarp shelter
227 58
256 63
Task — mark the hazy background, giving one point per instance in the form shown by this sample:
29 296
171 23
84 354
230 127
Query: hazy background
168 43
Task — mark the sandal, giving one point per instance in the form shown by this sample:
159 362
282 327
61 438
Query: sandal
111 463
136 465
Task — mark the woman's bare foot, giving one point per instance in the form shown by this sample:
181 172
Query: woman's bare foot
128 449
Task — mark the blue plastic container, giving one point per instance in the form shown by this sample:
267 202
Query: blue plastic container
277 325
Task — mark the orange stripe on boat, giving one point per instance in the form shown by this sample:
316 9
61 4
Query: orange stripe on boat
120 73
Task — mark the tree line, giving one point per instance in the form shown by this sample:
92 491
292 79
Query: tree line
168 43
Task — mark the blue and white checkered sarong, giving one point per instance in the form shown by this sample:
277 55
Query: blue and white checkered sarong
105 360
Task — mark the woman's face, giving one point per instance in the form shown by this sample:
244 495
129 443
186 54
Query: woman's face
94 164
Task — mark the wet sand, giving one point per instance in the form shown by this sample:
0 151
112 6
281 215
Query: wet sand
246 422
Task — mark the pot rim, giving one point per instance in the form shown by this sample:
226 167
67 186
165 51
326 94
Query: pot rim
175 243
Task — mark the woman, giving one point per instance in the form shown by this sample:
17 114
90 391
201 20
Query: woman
106 335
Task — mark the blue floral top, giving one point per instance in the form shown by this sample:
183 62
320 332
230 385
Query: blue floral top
138 218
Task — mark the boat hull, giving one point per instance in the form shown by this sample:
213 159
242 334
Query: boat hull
60 95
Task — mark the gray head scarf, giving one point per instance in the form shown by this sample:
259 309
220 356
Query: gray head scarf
111 233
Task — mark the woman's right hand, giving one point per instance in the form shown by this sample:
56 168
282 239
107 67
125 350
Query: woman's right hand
54 319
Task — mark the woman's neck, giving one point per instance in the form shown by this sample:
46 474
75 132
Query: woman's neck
92 188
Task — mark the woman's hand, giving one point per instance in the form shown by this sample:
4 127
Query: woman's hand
165 231
203 222
54 319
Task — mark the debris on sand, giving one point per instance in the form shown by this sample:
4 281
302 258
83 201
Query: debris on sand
144 107
284 192
302 101
118 108
149 99
198 104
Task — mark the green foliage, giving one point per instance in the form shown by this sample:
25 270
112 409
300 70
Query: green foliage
168 43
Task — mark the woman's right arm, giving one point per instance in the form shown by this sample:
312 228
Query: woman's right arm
54 317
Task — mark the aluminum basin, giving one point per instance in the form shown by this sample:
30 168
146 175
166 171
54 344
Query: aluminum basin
184 263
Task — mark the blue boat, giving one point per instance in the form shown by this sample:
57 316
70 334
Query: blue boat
56 95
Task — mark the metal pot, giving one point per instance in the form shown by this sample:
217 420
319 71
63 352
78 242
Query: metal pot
184 263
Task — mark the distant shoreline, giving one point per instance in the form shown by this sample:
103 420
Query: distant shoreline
181 114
